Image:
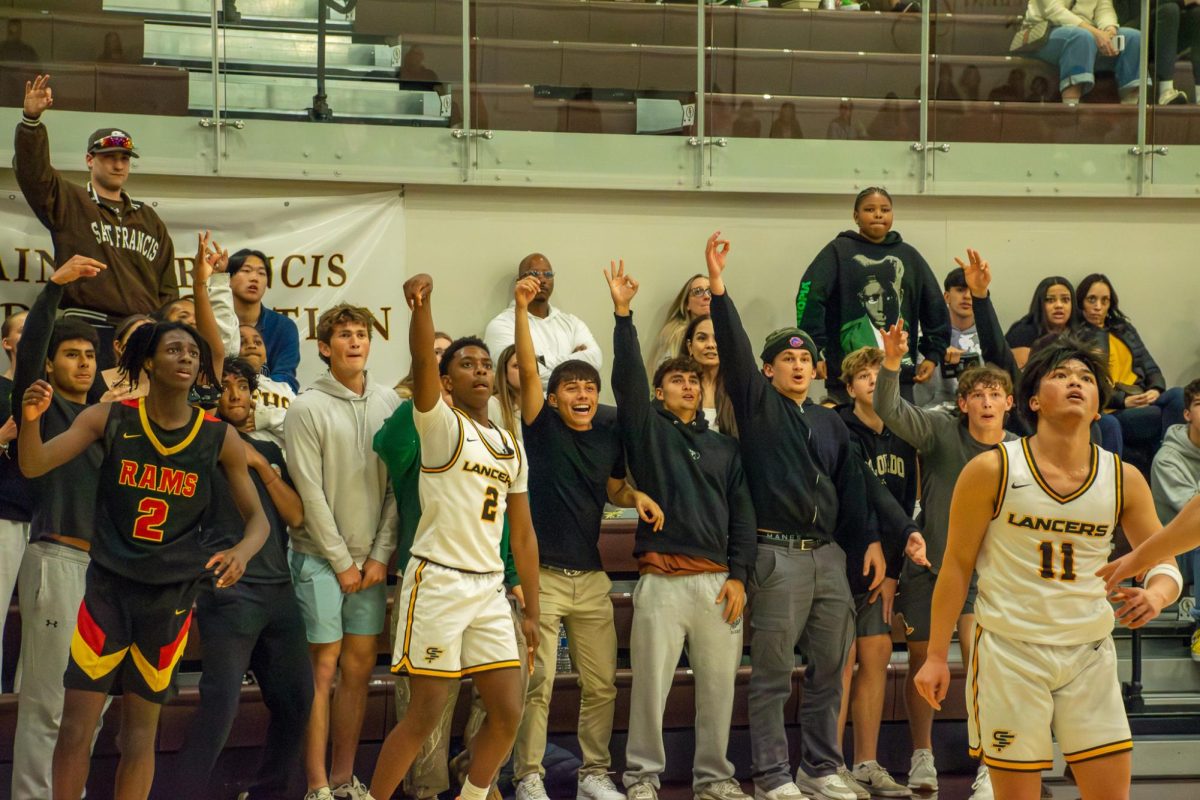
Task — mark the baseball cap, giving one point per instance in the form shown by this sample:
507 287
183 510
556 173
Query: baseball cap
111 140
787 339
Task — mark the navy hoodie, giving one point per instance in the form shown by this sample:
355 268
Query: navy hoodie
855 287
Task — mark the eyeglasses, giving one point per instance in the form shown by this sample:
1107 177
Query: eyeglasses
533 273
700 291
120 142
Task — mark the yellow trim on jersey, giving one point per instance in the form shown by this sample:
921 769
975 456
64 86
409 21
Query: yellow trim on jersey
159 446
457 452
1098 751
406 665
1120 488
502 456
1017 766
491 666
975 752
975 687
1003 480
412 605
1093 468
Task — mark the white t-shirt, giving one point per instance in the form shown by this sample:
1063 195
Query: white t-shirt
467 472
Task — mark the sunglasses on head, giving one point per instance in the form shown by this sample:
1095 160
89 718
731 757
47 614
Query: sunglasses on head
121 142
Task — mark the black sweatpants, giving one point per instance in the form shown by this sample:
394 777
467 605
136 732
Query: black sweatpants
256 627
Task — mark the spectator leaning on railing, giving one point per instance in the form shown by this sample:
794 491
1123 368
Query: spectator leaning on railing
98 220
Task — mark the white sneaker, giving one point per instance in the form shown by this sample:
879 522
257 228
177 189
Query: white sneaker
922 774
860 791
596 786
981 788
721 790
789 791
531 788
353 790
319 794
876 780
830 786
642 790
1172 97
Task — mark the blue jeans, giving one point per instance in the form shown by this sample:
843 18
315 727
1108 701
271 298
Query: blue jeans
1077 55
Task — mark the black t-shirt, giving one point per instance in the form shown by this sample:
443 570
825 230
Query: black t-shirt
6 387
155 488
1023 333
224 527
568 485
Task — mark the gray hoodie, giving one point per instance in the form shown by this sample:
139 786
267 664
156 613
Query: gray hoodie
349 508
1175 476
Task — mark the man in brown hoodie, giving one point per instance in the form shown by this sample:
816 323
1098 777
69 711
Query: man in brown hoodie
98 220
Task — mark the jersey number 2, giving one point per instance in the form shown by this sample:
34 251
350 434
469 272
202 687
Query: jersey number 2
1068 561
491 502
152 514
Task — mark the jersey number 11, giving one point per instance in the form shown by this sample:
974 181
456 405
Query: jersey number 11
1068 561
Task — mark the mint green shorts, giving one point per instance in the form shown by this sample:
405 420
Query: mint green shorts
329 613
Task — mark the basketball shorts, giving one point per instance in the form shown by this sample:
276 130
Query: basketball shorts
1018 692
129 636
451 623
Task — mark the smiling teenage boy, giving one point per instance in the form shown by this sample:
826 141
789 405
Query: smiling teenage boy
339 556
576 463
693 572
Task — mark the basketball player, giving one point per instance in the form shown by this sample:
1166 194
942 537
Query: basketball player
455 618
1034 518
147 562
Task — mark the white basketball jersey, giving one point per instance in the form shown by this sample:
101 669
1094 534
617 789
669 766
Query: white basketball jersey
1037 564
467 472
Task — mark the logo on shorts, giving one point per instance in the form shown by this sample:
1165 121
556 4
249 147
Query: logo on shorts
1002 739
433 654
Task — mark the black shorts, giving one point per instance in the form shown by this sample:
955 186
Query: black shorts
915 600
129 636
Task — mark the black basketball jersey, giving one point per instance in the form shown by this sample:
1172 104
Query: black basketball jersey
155 486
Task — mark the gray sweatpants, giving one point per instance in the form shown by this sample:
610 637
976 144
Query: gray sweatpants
667 612
802 597
50 585
13 538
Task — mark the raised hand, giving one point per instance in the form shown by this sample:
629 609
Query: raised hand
977 273
895 344
210 258
621 286
36 400
77 267
417 290
525 290
715 253
38 96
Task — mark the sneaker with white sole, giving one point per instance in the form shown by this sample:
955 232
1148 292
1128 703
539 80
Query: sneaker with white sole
875 779
1172 97
597 786
642 790
351 790
721 790
981 787
789 791
531 788
922 774
319 794
831 787
860 791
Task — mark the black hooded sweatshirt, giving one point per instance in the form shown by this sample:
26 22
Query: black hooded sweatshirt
692 472
855 287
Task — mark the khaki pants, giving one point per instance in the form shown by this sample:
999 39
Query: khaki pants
582 602
429 774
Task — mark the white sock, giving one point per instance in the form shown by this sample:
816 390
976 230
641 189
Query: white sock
1164 87
472 792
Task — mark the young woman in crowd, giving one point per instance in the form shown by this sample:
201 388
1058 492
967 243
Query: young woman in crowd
440 342
118 386
1051 312
865 281
1140 401
700 345
691 302
505 406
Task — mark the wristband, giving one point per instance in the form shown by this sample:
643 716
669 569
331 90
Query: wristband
1172 572
32 122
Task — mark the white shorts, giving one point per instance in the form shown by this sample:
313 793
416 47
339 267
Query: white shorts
451 623
1018 692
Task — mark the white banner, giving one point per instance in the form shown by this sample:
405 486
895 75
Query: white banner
323 251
